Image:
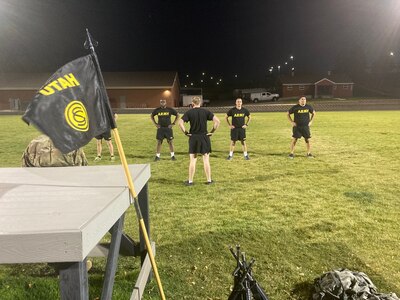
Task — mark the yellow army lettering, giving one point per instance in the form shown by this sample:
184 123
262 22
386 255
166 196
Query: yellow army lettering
60 84
303 111
163 114
238 115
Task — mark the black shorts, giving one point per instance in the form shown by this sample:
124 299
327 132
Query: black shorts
199 143
301 131
164 133
238 134
106 136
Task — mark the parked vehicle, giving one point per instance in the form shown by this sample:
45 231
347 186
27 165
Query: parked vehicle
205 102
263 96
187 99
187 95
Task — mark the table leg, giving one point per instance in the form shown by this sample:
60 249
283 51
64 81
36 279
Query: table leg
74 281
112 259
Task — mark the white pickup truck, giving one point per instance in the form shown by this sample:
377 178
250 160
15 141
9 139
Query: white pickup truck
263 96
187 100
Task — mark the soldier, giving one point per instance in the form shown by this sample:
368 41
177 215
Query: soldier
199 138
164 127
301 124
240 121
107 137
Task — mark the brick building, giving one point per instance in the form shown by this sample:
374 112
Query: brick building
330 86
125 89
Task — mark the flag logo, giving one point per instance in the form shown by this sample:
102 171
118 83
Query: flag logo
76 116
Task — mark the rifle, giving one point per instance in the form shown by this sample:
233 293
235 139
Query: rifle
245 286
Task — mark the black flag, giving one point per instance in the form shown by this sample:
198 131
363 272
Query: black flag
71 107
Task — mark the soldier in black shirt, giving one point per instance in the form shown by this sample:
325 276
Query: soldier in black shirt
107 137
199 137
240 120
164 127
303 117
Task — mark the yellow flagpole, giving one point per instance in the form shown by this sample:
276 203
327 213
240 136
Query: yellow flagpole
138 212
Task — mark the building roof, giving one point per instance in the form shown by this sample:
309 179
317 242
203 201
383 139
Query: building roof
312 78
139 80
113 80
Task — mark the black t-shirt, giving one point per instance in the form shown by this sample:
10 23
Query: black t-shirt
198 118
301 114
238 116
164 115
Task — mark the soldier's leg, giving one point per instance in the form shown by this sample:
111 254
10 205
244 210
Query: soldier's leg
207 167
192 166
110 147
99 147
292 145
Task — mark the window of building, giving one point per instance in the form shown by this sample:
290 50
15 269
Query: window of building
301 87
289 87
334 87
345 86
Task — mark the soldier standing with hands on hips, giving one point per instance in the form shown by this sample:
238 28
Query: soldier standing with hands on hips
199 137
303 117
164 127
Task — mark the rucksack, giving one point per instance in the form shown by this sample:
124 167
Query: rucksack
42 153
344 284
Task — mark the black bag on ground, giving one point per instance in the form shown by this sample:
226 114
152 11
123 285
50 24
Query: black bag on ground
344 284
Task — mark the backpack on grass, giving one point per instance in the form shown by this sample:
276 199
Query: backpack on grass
42 153
344 284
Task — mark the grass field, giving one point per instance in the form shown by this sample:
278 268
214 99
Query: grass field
298 218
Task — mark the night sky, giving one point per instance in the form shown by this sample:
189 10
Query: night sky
213 36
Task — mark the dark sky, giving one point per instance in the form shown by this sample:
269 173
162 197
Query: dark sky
215 36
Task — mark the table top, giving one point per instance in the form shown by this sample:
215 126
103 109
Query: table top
60 214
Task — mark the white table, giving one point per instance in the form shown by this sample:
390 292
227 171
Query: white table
59 215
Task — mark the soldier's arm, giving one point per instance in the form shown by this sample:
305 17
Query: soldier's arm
312 118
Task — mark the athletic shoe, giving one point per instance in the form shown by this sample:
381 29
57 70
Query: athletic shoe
309 155
247 157
112 158
173 158
210 182
291 155
156 158
187 183
229 157
98 158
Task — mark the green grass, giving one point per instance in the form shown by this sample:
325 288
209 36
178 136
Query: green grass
298 218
